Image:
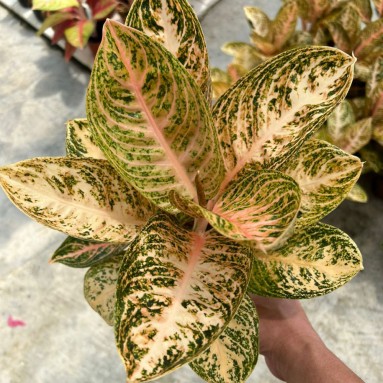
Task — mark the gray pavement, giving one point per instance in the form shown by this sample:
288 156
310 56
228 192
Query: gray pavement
63 340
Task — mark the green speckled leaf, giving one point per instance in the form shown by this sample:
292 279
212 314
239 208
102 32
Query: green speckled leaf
176 292
312 263
74 252
258 205
54 5
283 26
79 140
244 54
79 34
100 284
174 24
370 37
325 175
233 356
357 194
259 22
150 118
268 114
342 116
356 136
83 198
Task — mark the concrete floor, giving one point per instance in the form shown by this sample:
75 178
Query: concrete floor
63 340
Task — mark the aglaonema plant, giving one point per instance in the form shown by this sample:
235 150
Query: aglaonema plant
182 210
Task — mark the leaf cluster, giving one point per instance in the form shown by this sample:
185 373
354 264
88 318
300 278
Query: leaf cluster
181 209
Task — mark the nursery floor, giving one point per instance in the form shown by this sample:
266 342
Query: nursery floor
48 333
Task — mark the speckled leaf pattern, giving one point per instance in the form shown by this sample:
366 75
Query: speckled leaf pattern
268 114
312 263
54 5
233 356
356 136
79 140
100 284
174 24
259 22
370 37
283 26
357 194
325 175
79 253
177 291
258 206
342 116
79 34
83 198
150 118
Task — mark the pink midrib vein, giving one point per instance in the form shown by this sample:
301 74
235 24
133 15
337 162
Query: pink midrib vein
178 168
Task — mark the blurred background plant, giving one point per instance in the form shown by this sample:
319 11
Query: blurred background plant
354 26
78 22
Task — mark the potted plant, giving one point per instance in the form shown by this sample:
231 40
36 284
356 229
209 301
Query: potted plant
181 210
78 22
356 125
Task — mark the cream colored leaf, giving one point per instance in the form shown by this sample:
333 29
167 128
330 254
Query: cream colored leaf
356 136
357 194
83 198
325 175
54 5
312 263
150 118
259 22
342 116
233 356
176 292
283 26
79 140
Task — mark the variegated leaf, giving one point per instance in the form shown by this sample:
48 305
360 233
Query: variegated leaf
176 292
283 26
258 205
363 7
362 71
357 194
233 356
100 284
370 37
74 252
263 45
312 263
83 198
218 75
259 22
378 6
54 5
325 175
358 106
356 136
374 86
373 158
342 116
377 126
174 25
268 114
349 19
300 38
101 9
340 36
79 34
79 140
318 8
53 20
244 54
150 118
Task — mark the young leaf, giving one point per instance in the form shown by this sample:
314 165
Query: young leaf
233 356
356 136
258 205
54 5
325 175
79 140
53 20
84 198
176 292
244 54
357 194
312 263
150 118
174 25
283 26
79 34
74 252
370 37
259 22
102 8
268 114
342 116
100 284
